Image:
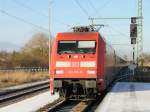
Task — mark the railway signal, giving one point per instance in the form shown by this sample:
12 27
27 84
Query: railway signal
133 30
133 40
133 34
133 20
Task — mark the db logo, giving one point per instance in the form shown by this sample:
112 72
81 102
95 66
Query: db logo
75 64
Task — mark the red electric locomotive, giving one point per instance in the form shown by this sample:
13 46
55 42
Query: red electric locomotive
82 64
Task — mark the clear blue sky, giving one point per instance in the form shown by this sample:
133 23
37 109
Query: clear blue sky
66 13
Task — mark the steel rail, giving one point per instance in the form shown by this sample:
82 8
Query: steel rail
72 105
6 96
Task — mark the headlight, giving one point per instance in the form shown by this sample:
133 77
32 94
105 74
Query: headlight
63 64
91 72
87 64
59 72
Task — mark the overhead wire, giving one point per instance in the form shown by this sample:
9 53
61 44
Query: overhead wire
94 8
29 8
126 44
22 20
80 6
76 1
104 5
119 32
36 12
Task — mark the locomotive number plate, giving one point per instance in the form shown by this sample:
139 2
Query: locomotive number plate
75 64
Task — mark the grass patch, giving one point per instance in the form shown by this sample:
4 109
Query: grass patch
15 78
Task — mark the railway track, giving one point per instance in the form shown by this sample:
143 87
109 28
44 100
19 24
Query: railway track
14 95
72 106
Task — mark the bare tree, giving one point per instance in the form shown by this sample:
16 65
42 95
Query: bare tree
33 54
146 59
38 48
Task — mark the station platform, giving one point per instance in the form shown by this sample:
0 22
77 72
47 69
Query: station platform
127 97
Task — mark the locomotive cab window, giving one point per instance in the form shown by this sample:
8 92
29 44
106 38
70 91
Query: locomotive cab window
77 47
67 47
87 47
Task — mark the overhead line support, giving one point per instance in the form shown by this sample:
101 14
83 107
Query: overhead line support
140 33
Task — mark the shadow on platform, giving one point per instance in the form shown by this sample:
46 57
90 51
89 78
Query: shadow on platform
130 87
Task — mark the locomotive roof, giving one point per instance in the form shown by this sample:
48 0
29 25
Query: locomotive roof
86 35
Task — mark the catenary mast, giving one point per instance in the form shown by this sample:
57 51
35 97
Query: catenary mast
140 33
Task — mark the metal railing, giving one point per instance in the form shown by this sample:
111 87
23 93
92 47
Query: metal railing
25 69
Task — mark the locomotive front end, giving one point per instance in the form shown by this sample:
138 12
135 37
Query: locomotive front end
74 64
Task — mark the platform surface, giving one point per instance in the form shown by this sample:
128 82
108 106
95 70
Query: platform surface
31 104
127 97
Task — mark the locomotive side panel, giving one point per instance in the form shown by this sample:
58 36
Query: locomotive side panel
109 65
100 67
52 67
